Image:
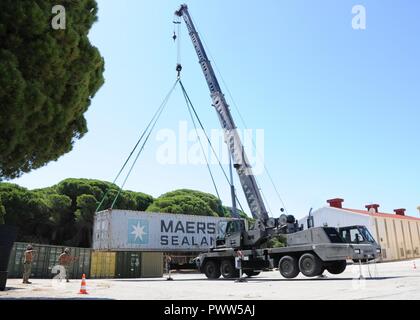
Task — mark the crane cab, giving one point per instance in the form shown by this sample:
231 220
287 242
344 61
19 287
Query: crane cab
231 233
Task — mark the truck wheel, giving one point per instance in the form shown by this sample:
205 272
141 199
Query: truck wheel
288 267
251 273
228 270
337 267
212 270
310 265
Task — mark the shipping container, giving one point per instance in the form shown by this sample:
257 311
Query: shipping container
45 258
96 264
128 265
124 230
103 264
151 264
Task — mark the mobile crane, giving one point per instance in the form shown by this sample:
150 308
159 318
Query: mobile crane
308 251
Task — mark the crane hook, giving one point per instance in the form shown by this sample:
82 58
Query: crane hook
179 69
174 36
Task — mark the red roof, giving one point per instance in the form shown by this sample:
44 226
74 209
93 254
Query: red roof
384 215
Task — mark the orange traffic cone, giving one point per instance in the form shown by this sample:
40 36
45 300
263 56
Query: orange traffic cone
83 286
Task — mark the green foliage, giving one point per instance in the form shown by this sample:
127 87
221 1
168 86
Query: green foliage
276 242
86 208
47 80
128 200
60 206
229 213
191 202
27 210
63 214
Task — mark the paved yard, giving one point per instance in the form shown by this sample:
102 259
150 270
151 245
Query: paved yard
396 280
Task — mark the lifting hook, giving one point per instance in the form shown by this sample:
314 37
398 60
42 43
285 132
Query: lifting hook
179 69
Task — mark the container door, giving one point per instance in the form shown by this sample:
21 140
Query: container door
151 264
84 262
93 263
14 265
134 266
103 265
18 266
53 260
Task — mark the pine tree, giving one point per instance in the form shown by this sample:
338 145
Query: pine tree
47 80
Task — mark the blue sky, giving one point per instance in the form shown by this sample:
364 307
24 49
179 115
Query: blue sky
339 107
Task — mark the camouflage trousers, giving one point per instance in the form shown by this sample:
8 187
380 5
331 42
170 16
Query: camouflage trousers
27 268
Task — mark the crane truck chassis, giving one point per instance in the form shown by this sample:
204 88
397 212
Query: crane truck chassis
309 251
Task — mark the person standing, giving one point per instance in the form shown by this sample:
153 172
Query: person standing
65 260
27 264
168 261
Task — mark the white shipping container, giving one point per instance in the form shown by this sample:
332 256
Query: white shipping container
144 231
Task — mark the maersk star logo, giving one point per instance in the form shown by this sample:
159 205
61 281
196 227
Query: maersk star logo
138 231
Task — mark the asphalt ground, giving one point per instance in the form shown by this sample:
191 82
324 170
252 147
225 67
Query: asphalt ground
393 280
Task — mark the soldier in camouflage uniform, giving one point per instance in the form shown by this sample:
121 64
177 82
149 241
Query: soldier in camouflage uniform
27 264
65 260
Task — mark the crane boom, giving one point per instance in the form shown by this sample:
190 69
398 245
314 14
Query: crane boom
241 163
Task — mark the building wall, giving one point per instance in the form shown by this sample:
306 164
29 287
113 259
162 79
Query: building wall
415 228
388 238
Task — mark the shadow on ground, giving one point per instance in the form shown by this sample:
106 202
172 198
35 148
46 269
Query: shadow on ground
258 280
51 299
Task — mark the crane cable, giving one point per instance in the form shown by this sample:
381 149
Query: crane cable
244 124
208 139
201 144
150 126
177 38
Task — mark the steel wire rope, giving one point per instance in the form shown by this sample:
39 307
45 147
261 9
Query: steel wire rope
152 121
208 139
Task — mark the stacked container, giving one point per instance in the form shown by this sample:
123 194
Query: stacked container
45 258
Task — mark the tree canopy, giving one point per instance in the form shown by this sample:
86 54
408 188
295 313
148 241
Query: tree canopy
63 213
193 202
47 80
185 201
